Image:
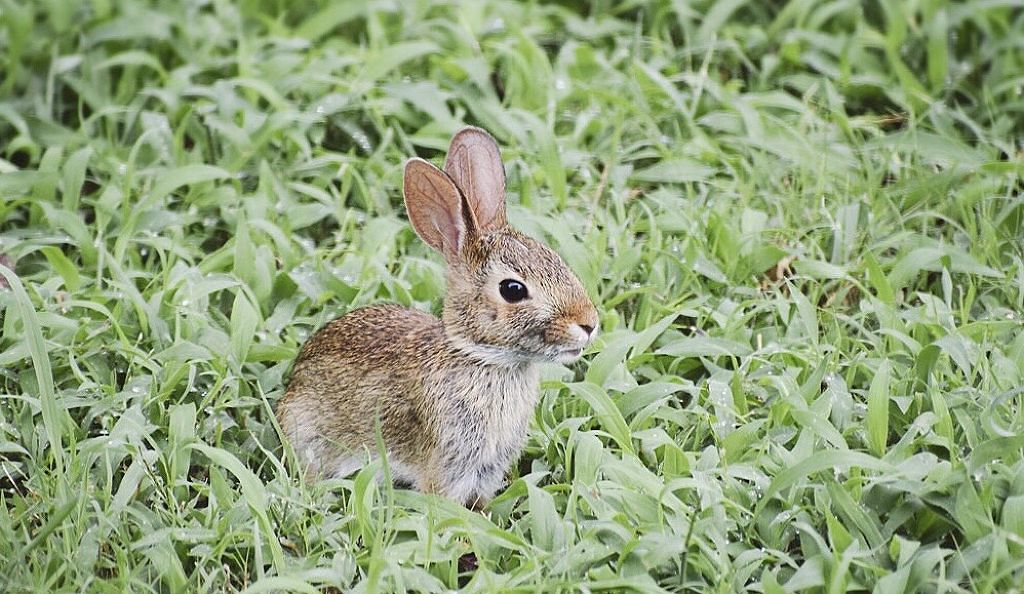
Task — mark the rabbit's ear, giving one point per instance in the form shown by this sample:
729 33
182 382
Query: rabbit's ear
435 207
474 164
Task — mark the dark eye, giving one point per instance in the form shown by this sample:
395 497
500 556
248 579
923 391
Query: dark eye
512 291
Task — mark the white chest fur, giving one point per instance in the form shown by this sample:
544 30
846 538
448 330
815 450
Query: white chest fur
487 413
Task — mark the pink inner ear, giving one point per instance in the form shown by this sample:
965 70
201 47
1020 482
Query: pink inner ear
434 206
447 229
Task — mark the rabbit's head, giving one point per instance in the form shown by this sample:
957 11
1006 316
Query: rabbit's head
510 299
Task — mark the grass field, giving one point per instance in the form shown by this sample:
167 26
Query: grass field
802 222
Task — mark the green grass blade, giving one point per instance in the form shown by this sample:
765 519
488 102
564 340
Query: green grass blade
55 417
878 409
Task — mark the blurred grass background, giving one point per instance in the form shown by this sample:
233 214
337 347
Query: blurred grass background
802 222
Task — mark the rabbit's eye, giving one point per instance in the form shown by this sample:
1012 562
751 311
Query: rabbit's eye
512 290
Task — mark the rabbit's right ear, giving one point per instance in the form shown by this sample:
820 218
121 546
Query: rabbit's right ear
474 164
435 207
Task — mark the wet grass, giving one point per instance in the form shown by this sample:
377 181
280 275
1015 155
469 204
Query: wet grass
802 223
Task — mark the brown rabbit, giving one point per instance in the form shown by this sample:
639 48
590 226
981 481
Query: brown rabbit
451 398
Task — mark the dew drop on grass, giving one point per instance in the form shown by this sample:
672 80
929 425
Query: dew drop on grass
361 139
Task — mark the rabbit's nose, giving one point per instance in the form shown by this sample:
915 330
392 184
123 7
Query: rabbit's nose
584 332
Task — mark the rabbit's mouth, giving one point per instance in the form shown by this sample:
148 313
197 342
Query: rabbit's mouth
569 355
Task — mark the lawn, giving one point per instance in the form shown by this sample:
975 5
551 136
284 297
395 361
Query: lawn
802 223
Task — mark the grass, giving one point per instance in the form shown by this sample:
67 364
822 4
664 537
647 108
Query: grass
802 222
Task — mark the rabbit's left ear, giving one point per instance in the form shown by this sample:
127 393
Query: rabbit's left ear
474 164
435 208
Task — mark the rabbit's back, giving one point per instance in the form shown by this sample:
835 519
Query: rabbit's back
356 375
366 338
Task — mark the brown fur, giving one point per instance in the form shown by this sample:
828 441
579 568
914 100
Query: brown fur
451 399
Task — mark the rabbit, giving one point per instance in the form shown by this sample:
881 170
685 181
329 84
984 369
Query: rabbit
450 398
